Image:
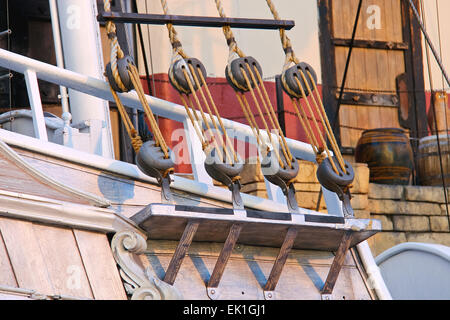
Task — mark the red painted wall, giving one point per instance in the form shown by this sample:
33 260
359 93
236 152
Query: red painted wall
229 108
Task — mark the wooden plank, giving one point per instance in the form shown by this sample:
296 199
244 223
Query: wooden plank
25 255
14 179
100 266
125 194
180 252
337 263
165 224
268 254
225 254
278 266
248 269
62 258
7 277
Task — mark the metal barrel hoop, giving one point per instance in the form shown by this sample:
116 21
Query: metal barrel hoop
289 83
234 75
123 67
177 77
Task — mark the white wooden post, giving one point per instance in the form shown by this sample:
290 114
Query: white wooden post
196 154
40 131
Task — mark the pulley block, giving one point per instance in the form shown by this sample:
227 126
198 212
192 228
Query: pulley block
151 161
177 76
338 183
122 67
226 173
276 174
289 82
235 76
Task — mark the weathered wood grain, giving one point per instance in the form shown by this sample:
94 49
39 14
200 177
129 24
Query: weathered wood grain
7 277
281 259
224 255
180 252
337 263
25 255
248 269
100 266
62 258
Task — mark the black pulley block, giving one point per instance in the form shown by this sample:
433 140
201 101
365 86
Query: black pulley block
235 77
333 181
289 83
277 175
222 171
150 160
178 79
122 67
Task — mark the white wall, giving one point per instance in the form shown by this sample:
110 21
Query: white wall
209 45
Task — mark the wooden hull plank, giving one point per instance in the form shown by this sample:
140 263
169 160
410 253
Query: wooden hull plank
248 269
100 265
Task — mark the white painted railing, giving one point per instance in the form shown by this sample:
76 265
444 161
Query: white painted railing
33 69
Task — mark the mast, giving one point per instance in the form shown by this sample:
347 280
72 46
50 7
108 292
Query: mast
81 45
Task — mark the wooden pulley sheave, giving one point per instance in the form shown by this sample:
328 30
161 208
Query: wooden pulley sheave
188 76
299 81
154 158
245 76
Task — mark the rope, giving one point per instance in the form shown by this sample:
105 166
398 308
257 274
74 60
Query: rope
231 41
173 35
117 53
285 41
316 99
256 78
196 77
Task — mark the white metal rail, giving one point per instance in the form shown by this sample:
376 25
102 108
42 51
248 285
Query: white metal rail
100 89
33 69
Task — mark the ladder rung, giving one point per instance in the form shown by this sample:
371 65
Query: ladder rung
180 252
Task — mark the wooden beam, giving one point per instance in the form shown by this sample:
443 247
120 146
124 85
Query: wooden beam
281 259
371 44
225 253
180 252
196 21
337 263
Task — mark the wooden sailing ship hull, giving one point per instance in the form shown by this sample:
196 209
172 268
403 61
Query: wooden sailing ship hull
55 244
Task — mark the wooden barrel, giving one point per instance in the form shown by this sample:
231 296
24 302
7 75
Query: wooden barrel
388 154
428 160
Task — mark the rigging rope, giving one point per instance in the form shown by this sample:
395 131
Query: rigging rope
306 78
117 54
197 85
253 79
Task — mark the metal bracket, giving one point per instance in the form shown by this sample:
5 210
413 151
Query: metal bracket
166 193
213 293
269 295
347 206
